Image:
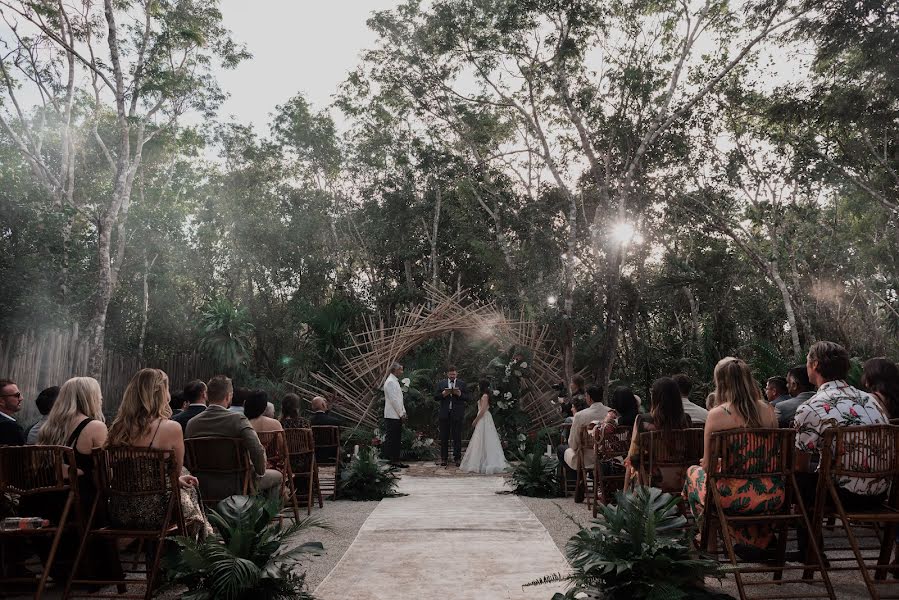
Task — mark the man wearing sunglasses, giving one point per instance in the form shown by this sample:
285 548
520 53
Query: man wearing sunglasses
11 433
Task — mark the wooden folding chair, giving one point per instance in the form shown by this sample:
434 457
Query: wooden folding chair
742 455
132 477
301 455
670 452
29 471
327 441
222 465
585 448
870 453
611 445
278 457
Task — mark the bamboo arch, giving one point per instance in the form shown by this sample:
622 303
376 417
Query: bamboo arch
365 362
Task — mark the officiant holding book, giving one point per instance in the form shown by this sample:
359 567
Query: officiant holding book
451 394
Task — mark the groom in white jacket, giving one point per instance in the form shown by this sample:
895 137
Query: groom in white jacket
394 414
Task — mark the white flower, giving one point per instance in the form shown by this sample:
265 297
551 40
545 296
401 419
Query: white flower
524 365
522 437
496 392
406 382
517 373
507 395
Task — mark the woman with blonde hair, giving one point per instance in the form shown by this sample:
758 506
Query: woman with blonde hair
76 420
738 405
143 421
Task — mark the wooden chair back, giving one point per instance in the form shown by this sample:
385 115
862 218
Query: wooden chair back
276 452
130 478
129 474
301 453
327 437
869 453
737 457
671 452
612 444
222 465
28 471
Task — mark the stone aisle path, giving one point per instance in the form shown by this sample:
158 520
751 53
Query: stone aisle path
453 539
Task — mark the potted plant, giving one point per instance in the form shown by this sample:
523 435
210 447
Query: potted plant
366 477
536 475
639 549
249 556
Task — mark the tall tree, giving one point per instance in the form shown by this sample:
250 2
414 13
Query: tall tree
138 66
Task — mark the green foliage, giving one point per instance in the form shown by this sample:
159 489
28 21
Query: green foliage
639 549
366 477
249 556
225 332
536 475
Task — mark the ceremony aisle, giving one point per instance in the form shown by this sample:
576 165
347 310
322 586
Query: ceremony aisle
450 538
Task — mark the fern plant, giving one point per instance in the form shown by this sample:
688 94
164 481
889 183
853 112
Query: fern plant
537 476
639 549
368 478
248 557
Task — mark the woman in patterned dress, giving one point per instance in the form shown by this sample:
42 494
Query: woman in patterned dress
143 421
739 405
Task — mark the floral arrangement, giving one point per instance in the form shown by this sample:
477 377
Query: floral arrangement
507 374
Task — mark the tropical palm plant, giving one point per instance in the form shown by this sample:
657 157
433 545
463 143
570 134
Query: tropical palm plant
225 332
537 476
639 549
248 557
367 477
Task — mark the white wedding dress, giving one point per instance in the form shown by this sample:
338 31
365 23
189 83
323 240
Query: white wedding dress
485 452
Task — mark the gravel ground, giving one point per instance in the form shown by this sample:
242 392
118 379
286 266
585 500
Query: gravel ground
561 517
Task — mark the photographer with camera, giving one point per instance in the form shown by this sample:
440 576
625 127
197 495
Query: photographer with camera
573 399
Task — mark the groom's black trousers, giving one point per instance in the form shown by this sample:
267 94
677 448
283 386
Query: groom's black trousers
450 427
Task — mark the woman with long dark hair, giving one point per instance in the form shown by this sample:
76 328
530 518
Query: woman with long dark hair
666 413
880 378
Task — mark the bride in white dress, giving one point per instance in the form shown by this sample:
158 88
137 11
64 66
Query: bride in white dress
485 452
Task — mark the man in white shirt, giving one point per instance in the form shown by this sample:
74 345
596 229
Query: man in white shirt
394 414
595 411
697 414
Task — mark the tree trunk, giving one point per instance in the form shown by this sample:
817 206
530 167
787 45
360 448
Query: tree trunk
146 308
774 271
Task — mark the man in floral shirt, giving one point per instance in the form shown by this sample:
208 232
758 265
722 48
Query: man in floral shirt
835 404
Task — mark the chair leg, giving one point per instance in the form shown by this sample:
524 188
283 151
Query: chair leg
151 575
54 547
84 539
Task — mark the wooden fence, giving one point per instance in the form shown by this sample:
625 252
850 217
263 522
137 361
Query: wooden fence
39 360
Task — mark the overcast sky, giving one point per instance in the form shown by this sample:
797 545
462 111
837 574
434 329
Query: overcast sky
304 46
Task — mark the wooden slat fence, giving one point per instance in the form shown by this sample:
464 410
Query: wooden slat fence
39 360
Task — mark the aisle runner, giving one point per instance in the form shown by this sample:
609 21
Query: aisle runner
453 539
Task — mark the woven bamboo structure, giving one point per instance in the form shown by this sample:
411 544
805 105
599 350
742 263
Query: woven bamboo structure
356 383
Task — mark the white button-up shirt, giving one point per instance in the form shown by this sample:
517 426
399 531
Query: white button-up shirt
393 398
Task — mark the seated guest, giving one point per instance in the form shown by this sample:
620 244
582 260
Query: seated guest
594 411
290 413
801 389
239 398
43 402
711 401
666 413
269 410
623 411
835 404
143 422
76 420
776 390
880 378
218 421
11 433
696 413
321 415
254 411
177 403
194 395
740 406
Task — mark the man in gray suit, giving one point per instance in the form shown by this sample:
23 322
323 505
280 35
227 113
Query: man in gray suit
218 421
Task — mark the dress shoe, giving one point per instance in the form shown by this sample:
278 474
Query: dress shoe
458 463
442 463
399 465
